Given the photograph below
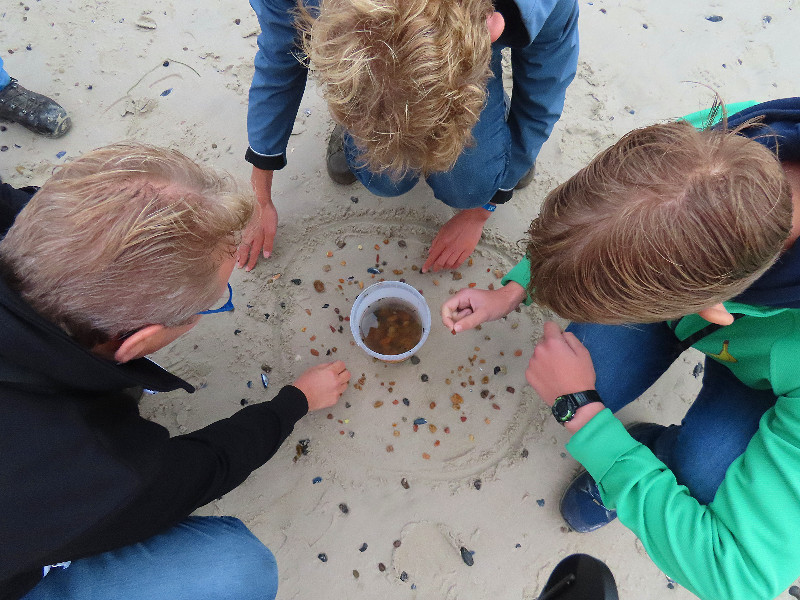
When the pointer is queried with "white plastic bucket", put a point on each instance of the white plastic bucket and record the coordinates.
(389, 290)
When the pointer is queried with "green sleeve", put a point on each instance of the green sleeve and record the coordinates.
(521, 274)
(699, 119)
(743, 545)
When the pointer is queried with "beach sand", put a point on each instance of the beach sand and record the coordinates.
(389, 507)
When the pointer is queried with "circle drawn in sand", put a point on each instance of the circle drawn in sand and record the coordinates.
(458, 410)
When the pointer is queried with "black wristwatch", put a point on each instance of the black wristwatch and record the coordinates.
(565, 406)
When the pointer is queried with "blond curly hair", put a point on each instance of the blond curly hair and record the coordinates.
(405, 78)
(666, 222)
(125, 236)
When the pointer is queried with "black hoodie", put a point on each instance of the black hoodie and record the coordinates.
(81, 472)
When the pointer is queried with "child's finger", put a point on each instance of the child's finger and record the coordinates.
(573, 342)
(551, 330)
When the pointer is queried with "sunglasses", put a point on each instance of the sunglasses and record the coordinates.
(228, 306)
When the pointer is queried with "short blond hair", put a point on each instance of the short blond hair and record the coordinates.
(125, 236)
(666, 222)
(406, 78)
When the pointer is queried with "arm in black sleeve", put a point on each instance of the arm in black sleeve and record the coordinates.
(194, 469)
(12, 201)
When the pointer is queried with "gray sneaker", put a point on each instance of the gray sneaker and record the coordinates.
(33, 111)
(527, 178)
(338, 169)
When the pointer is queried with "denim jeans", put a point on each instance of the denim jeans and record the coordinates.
(628, 359)
(477, 174)
(5, 78)
(201, 558)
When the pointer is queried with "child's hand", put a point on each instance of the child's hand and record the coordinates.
(323, 384)
(470, 307)
(560, 365)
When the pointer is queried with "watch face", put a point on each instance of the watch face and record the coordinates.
(562, 410)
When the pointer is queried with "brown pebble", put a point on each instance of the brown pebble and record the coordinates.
(457, 275)
(396, 543)
(390, 448)
(510, 390)
(326, 268)
(378, 403)
(319, 286)
(329, 254)
(314, 352)
(432, 427)
(485, 379)
(330, 416)
(484, 393)
(355, 574)
(517, 352)
(381, 567)
(432, 405)
(386, 242)
(495, 406)
(404, 483)
(426, 456)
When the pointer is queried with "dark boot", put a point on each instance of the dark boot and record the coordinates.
(338, 169)
(34, 111)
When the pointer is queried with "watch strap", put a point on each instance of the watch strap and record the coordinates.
(565, 406)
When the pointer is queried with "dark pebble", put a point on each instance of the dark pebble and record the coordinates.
(540, 502)
(322, 556)
(249, 384)
(266, 316)
(404, 483)
(406, 401)
(510, 390)
(89, 87)
(264, 380)
(603, 10)
(477, 483)
(374, 271)
(61, 154)
(316, 479)
(424, 377)
(3, 128)
(3, 148)
(283, 304)
(297, 281)
(340, 244)
(403, 576)
(415, 360)
(484, 393)
(420, 421)
(166, 92)
(698, 370)
(354, 199)
(524, 453)
(767, 19)
(341, 329)
(165, 63)
(714, 18)
(243, 402)
(336, 310)
(466, 556)
(326, 305)
(28, 47)
(356, 574)
(266, 368)
(381, 567)
(343, 508)
(496, 370)
(347, 405)
(363, 547)
(644, 25)
(402, 243)
(237, 21)
(794, 591)
(302, 446)
(396, 543)
(517, 545)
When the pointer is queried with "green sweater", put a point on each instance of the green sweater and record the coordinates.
(742, 546)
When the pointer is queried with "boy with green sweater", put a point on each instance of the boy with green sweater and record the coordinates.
(675, 238)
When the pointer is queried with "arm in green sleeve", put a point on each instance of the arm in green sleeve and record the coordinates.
(521, 274)
(742, 546)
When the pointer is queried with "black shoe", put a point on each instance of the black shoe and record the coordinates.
(338, 169)
(34, 111)
(527, 178)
